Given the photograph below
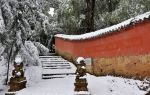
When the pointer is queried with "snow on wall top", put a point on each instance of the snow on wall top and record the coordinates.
(107, 30)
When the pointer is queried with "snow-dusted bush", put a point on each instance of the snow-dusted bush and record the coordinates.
(2, 65)
(30, 54)
(2, 70)
(2, 47)
(1, 23)
(41, 48)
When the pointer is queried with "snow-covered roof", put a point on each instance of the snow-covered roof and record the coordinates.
(107, 30)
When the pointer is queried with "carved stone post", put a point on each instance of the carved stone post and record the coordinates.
(80, 81)
(17, 81)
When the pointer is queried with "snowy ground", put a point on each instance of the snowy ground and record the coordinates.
(107, 85)
(3, 69)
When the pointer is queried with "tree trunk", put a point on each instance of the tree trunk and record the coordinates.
(109, 4)
(90, 15)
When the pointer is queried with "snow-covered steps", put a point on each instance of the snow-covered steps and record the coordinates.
(56, 67)
(51, 54)
(50, 57)
(57, 71)
(54, 61)
(52, 76)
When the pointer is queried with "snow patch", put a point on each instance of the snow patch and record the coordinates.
(51, 11)
(33, 75)
(41, 48)
(18, 73)
(3, 69)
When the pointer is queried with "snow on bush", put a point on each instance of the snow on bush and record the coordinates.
(105, 30)
(3, 70)
(2, 47)
(30, 54)
(41, 48)
(2, 27)
(3, 74)
(2, 65)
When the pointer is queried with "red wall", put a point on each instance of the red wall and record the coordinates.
(133, 40)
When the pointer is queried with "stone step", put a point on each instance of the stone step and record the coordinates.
(57, 71)
(55, 62)
(59, 74)
(55, 76)
(52, 64)
(51, 77)
(57, 68)
(54, 59)
(50, 56)
(56, 65)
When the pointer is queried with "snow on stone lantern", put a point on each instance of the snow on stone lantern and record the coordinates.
(80, 81)
(17, 81)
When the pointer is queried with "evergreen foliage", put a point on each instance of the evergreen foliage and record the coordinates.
(72, 13)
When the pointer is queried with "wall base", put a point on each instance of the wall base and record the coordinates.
(137, 67)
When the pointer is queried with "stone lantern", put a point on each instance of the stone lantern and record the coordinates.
(80, 81)
(17, 81)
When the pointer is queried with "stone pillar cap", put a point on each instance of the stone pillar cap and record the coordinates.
(18, 59)
(79, 59)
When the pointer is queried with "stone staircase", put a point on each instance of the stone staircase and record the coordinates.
(56, 67)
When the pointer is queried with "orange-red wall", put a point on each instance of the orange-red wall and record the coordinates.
(134, 40)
